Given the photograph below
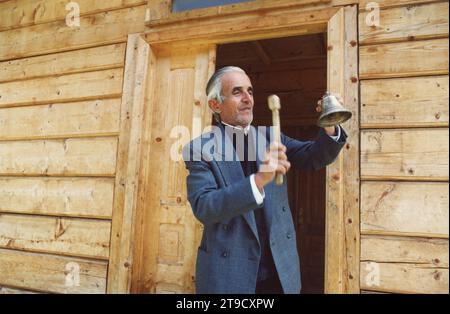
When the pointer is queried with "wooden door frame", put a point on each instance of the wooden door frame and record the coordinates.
(134, 113)
(290, 18)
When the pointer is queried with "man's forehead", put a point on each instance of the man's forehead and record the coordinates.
(236, 79)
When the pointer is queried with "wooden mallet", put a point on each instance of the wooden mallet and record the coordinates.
(274, 105)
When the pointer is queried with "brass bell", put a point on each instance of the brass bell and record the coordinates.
(332, 112)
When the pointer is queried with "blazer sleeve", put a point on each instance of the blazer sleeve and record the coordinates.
(211, 203)
(313, 155)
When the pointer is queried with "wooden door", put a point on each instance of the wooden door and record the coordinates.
(167, 234)
(306, 190)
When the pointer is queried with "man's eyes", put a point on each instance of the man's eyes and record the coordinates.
(237, 92)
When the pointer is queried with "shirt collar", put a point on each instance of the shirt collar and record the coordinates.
(238, 127)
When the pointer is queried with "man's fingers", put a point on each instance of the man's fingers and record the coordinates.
(319, 106)
(275, 159)
(287, 165)
(275, 165)
(275, 146)
(283, 167)
(278, 155)
(273, 162)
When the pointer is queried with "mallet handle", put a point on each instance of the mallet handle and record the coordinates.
(274, 105)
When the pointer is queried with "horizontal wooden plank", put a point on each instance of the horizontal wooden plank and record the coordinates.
(49, 273)
(405, 23)
(414, 58)
(65, 236)
(65, 88)
(20, 13)
(383, 4)
(403, 278)
(71, 157)
(83, 60)
(405, 102)
(372, 292)
(78, 119)
(419, 154)
(247, 26)
(95, 30)
(431, 252)
(76, 197)
(409, 207)
(8, 290)
(159, 11)
(254, 65)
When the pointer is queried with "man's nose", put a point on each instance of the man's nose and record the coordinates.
(246, 97)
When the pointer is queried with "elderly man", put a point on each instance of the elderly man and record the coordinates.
(249, 243)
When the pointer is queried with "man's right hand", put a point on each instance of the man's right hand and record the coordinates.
(275, 161)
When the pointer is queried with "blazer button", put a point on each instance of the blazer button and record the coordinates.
(284, 208)
(224, 254)
(288, 235)
(225, 227)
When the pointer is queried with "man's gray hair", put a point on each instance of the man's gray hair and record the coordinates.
(214, 86)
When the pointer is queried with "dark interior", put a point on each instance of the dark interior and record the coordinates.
(294, 68)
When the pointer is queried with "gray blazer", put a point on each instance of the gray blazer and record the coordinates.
(222, 200)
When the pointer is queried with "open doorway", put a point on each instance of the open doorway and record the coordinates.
(294, 68)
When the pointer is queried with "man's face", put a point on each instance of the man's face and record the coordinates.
(237, 107)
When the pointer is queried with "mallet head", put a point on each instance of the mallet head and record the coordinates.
(274, 102)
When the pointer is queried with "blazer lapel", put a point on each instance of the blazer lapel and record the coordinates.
(232, 172)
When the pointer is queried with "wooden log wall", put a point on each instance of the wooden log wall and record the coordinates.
(404, 147)
(60, 125)
(60, 113)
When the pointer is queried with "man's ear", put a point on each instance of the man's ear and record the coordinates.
(214, 105)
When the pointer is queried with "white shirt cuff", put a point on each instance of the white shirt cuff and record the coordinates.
(259, 198)
(338, 135)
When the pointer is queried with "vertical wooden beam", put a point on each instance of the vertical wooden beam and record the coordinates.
(334, 244)
(342, 212)
(140, 247)
(351, 170)
(128, 165)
